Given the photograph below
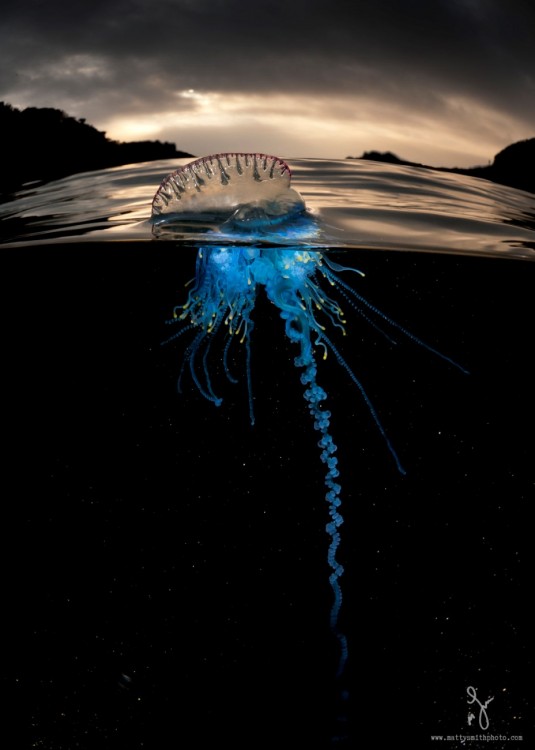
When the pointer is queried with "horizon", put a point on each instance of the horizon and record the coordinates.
(449, 85)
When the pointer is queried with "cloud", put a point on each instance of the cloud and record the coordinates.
(398, 72)
(326, 126)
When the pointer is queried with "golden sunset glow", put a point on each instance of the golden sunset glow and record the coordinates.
(329, 127)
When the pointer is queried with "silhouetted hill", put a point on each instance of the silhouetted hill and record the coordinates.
(514, 166)
(45, 143)
(389, 158)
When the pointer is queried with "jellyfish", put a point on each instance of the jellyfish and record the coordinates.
(271, 243)
(241, 191)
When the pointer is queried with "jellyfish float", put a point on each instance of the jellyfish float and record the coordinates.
(264, 224)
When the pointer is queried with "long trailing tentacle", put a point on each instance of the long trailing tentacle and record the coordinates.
(248, 369)
(229, 375)
(298, 332)
(337, 280)
(341, 361)
(208, 393)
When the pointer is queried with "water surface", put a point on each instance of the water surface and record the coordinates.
(357, 205)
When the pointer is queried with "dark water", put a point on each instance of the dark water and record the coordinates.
(165, 574)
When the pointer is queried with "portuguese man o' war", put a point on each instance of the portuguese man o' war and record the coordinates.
(241, 191)
(247, 199)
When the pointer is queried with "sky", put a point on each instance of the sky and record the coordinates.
(441, 82)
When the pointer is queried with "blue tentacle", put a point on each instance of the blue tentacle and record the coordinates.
(337, 280)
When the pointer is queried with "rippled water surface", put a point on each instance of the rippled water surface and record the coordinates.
(356, 204)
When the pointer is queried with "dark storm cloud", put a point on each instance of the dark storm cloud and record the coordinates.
(132, 56)
(480, 46)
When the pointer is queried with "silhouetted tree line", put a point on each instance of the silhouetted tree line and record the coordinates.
(45, 143)
(514, 166)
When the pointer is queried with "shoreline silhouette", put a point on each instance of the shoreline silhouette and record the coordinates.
(513, 166)
(47, 144)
